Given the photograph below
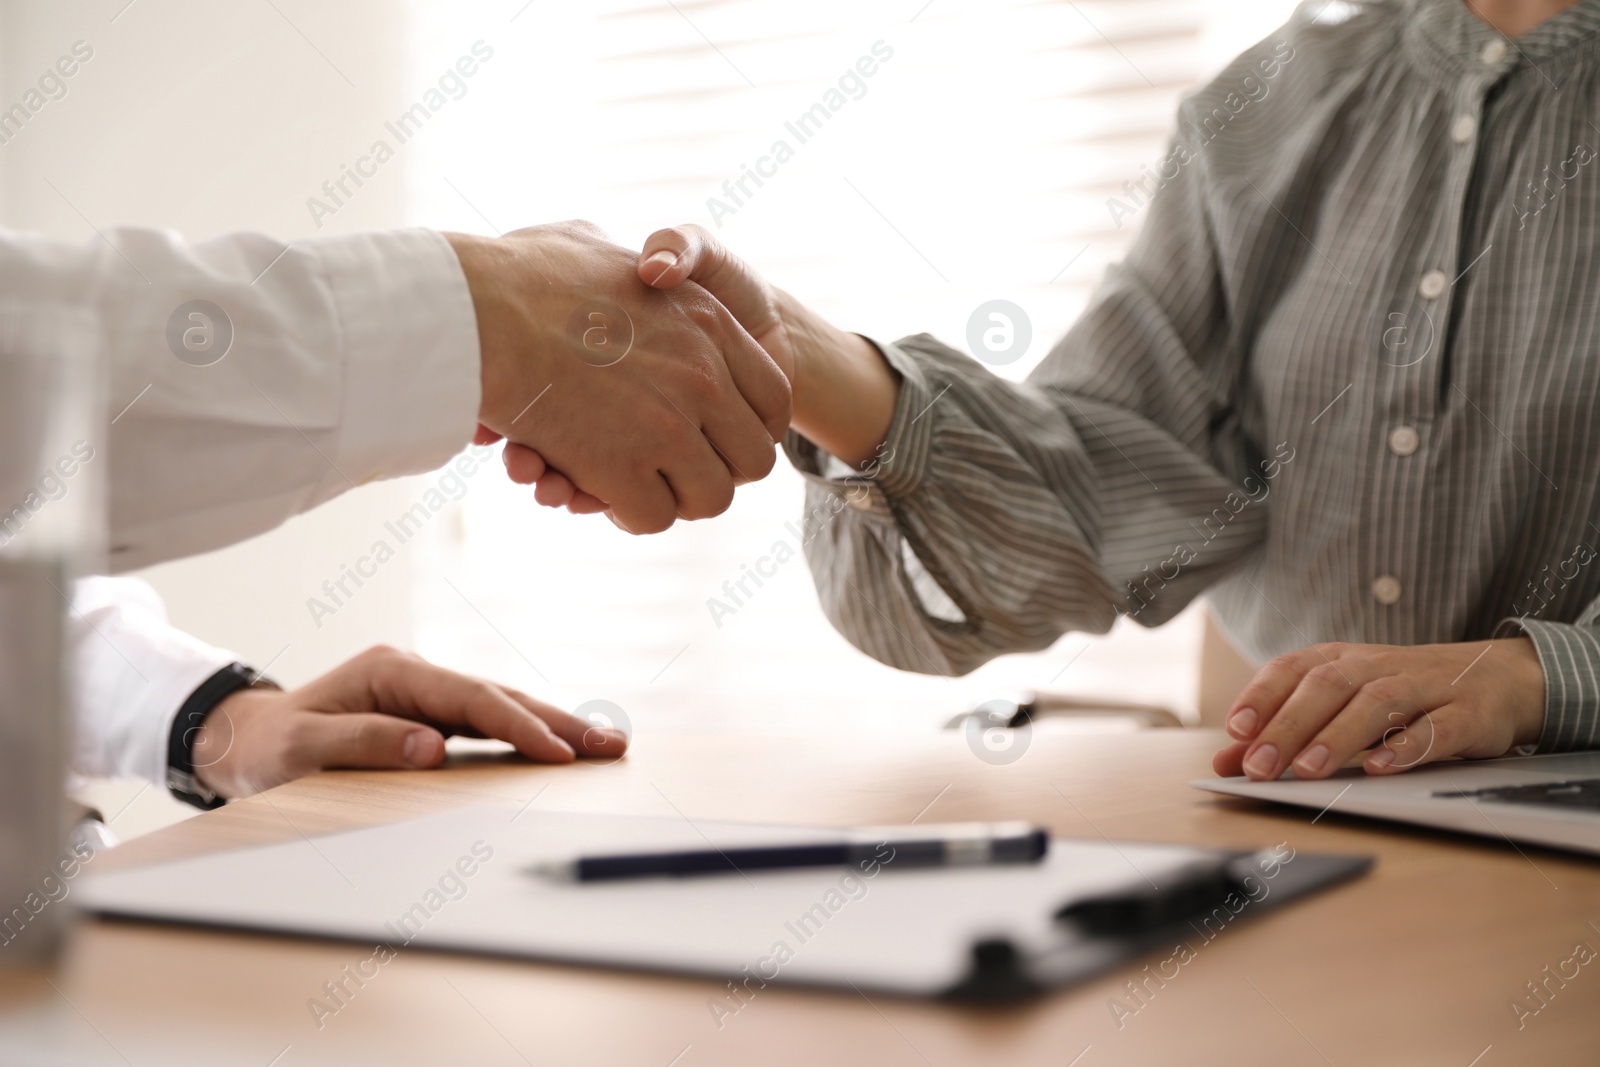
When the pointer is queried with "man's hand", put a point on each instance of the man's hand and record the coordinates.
(383, 709)
(656, 402)
(1313, 710)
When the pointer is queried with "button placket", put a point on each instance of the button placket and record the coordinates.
(1412, 397)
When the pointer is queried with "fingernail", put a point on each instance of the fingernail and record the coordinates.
(609, 736)
(1242, 723)
(664, 259)
(1312, 759)
(420, 748)
(1262, 762)
(1381, 758)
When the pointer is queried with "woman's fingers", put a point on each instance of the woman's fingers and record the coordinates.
(1435, 736)
(689, 253)
(1417, 704)
(523, 465)
(554, 489)
(1271, 686)
(1326, 694)
(1383, 707)
(584, 504)
(1229, 762)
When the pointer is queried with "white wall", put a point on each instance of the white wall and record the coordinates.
(210, 118)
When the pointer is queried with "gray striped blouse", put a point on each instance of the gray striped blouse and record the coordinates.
(1345, 383)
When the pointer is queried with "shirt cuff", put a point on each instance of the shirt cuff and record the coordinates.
(412, 376)
(1570, 656)
(133, 671)
(898, 469)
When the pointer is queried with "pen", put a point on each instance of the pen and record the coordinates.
(949, 845)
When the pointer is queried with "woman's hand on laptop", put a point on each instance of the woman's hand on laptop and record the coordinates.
(383, 709)
(1314, 710)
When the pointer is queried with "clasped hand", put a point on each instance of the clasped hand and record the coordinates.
(657, 401)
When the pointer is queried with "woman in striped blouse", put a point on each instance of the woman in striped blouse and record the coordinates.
(1344, 385)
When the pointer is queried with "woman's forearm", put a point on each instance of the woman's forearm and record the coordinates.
(844, 390)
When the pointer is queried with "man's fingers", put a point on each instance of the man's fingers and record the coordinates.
(648, 506)
(318, 741)
(764, 387)
(585, 737)
(484, 436)
(703, 489)
(741, 442)
(394, 683)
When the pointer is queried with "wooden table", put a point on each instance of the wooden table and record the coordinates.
(1418, 963)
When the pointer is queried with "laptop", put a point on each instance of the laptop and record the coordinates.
(1543, 800)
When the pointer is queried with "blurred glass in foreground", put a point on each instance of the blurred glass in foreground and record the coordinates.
(52, 447)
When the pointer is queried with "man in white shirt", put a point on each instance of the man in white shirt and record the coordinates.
(350, 359)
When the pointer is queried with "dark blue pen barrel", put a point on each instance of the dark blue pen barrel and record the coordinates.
(708, 861)
(1027, 846)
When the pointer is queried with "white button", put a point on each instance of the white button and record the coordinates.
(1434, 283)
(1494, 51)
(1465, 126)
(1386, 590)
(1403, 440)
(860, 498)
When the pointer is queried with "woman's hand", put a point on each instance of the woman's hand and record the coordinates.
(1315, 709)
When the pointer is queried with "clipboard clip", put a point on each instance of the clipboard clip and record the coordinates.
(1101, 928)
(1187, 891)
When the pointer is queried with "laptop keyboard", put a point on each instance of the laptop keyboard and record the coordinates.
(1580, 793)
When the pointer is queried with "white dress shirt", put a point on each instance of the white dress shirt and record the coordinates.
(351, 359)
(131, 672)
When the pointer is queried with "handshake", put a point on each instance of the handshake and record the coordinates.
(649, 386)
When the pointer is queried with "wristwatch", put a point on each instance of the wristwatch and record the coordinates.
(181, 779)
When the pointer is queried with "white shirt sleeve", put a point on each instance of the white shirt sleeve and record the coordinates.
(132, 672)
(312, 368)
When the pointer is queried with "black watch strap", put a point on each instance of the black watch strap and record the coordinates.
(181, 780)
